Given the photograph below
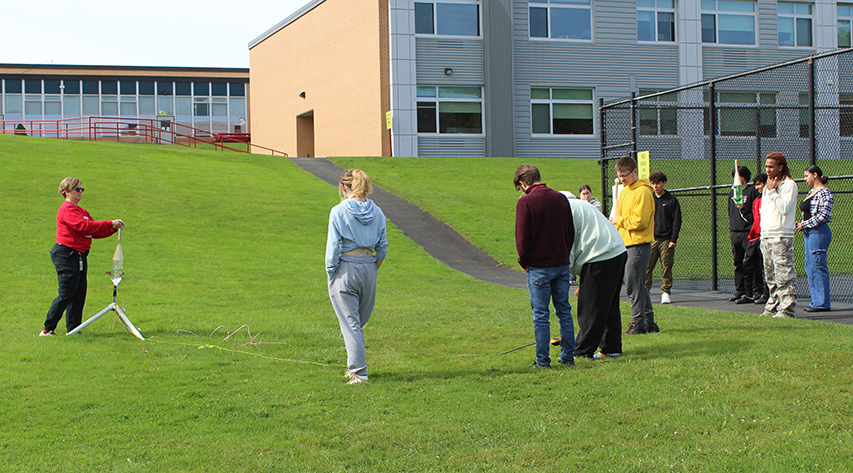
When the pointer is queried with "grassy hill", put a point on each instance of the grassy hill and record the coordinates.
(222, 243)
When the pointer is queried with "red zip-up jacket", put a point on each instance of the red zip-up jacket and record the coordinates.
(75, 227)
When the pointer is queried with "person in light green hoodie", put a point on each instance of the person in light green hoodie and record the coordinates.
(598, 256)
(778, 220)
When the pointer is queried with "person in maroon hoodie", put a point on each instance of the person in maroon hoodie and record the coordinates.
(74, 232)
(544, 235)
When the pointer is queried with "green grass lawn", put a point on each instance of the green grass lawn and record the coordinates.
(223, 239)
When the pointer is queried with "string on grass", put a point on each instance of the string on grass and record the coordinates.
(255, 340)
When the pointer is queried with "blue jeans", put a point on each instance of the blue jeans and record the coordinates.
(545, 285)
(816, 242)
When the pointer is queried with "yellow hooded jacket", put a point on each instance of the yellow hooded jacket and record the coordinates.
(636, 221)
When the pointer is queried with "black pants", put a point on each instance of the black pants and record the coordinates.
(753, 262)
(71, 269)
(740, 243)
(599, 318)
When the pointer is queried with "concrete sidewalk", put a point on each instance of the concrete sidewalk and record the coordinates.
(446, 245)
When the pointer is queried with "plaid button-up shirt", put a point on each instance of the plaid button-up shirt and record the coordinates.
(821, 209)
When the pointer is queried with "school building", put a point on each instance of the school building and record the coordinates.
(504, 77)
(212, 100)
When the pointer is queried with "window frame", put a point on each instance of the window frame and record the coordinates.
(796, 17)
(657, 10)
(437, 100)
(551, 101)
(435, 19)
(659, 121)
(715, 14)
(549, 6)
(722, 113)
(845, 15)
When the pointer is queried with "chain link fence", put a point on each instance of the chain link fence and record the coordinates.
(801, 108)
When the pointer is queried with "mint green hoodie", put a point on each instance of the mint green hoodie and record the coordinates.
(596, 239)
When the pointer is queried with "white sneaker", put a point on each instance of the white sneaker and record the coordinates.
(356, 379)
(664, 298)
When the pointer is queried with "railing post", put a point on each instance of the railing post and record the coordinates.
(634, 125)
(603, 163)
(712, 106)
(758, 139)
(812, 130)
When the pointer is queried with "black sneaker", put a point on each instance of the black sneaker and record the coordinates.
(762, 299)
(735, 297)
(652, 328)
(567, 363)
(635, 329)
(537, 365)
(745, 300)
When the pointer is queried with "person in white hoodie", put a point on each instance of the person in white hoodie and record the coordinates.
(778, 219)
(355, 249)
(598, 256)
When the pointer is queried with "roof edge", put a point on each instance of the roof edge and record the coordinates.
(124, 68)
(283, 23)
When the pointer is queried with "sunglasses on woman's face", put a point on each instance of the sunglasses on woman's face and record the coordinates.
(79, 189)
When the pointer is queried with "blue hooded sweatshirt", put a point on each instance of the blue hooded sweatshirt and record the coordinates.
(354, 224)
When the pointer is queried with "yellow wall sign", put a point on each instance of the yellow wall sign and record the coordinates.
(388, 121)
(643, 164)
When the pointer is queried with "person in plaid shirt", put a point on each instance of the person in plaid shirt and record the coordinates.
(817, 213)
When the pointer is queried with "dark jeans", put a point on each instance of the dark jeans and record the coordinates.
(599, 317)
(71, 269)
(740, 243)
(547, 285)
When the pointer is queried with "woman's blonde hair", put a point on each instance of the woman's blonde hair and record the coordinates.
(357, 182)
(67, 184)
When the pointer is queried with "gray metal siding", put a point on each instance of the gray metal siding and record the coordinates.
(464, 56)
(498, 59)
(451, 146)
(610, 65)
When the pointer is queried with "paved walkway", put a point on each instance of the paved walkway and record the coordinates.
(446, 245)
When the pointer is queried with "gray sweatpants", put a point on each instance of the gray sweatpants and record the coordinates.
(642, 312)
(352, 291)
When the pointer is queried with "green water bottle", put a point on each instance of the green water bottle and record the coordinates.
(737, 188)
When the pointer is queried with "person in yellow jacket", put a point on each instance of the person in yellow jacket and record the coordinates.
(634, 217)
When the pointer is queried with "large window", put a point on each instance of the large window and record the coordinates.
(658, 121)
(561, 19)
(845, 22)
(742, 114)
(795, 24)
(558, 111)
(656, 20)
(447, 19)
(450, 109)
(728, 21)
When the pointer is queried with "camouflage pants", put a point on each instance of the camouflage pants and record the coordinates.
(781, 276)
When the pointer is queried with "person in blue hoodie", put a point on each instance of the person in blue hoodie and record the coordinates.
(355, 249)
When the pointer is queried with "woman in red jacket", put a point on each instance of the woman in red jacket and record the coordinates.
(74, 232)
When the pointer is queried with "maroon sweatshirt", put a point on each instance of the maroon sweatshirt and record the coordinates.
(544, 230)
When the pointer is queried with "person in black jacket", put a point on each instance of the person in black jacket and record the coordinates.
(667, 226)
(740, 222)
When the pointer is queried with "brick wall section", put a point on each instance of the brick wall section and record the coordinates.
(333, 53)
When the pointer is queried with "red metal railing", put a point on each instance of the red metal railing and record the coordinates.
(137, 130)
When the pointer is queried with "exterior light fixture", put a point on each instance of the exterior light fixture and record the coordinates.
(448, 71)
(302, 94)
